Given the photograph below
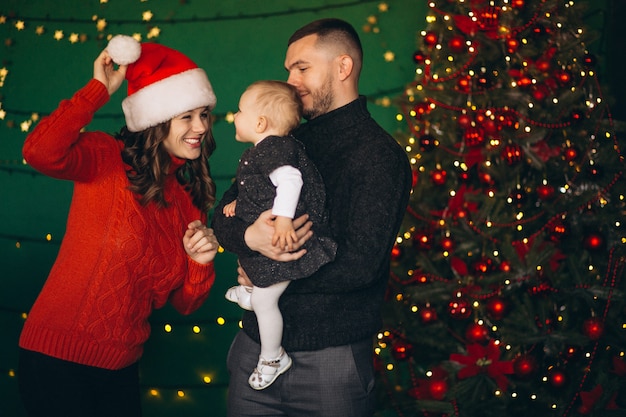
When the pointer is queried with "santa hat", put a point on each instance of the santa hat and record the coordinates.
(162, 82)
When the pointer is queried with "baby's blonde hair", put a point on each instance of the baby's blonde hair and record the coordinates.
(280, 103)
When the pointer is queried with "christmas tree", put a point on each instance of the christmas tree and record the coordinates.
(507, 289)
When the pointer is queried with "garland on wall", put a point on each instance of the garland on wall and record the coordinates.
(98, 31)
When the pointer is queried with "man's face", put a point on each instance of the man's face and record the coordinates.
(310, 70)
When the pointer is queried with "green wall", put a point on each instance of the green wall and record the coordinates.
(237, 42)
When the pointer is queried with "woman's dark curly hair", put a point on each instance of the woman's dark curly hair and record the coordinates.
(149, 163)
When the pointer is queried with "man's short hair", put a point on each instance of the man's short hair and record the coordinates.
(333, 31)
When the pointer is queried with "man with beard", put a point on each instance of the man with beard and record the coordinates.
(330, 318)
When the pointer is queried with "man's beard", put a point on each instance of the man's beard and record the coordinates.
(322, 100)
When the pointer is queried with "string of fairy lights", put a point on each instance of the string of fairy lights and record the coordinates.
(50, 28)
(98, 31)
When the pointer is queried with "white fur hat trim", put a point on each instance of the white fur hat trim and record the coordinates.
(162, 100)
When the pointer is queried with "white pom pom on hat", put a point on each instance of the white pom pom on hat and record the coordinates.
(162, 82)
(124, 49)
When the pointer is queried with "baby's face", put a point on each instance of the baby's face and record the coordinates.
(246, 118)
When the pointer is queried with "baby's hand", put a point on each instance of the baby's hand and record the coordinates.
(284, 233)
(229, 209)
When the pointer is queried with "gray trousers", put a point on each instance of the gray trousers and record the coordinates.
(333, 382)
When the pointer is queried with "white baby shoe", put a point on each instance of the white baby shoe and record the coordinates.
(241, 295)
(266, 371)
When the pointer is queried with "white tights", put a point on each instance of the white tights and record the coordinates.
(265, 304)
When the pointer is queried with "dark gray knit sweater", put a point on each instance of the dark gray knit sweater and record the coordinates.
(368, 180)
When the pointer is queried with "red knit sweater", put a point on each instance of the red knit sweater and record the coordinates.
(118, 260)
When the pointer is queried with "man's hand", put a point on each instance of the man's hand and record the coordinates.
(258, 237)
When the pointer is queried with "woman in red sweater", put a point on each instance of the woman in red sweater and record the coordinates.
(135, 236)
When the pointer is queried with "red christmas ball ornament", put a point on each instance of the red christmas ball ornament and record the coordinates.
(593, 328)
(464, 121)
(594, 170)
(427, 142)
(570, 154)
(594, 241)
(396, 253)
(474, 136)
(505, 266)
(557, 378)
(540, 92)
(486, 178)
(476, 333)
(457, 44)
(480, 118)
(447, 244)
(524, 366)
(420, 109)
(512, 154)
(490, 126)
(542, 65)
(512, 45)
(483, 80)
(430, 39)
(551, 83)
(589, 60)
(540, 30)
(438, 389)
(438, 176)
(487, 123)
(571, 352)
(401, 350)
(545, 192)
(518, 196)
(415, 177)
(516, 71)
(496, 308)
(423, 240)
(576, 116)
(483, 265)
(524, 82)
(464, 84)
(459, 308)
(419, 57)
(428, 315)
(563, 77)
(460, 213)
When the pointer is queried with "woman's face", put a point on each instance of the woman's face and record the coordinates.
(187, 131)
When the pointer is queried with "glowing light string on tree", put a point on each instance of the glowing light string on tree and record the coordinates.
(582, 150)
